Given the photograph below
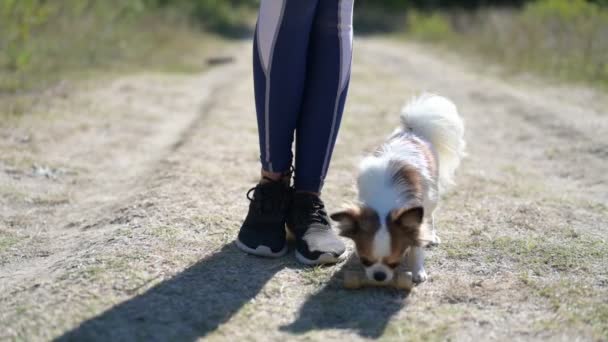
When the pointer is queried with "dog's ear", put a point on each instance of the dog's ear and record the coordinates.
(408, 222)
(409, 218)
(347, 220)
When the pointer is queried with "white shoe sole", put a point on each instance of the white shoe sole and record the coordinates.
(261, 250)
(323, 259)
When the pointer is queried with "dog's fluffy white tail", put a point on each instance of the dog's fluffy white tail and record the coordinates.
(435, 119)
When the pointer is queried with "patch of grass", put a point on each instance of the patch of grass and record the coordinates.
(317, 275)
(7, 240)
(518, 184)
(597, 207)
(16, 193)
(15, 108)
(575, 297)
(476, 231)
(577, 305)
(408, 331)
(168, 234)
(568, 254)
(117, 268)
(412, 329)
(93, 272)
(457, 251)
(50, 199)
(12, 192)
(21, 161)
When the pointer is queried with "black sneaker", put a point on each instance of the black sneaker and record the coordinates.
(316, 242)
(263, 231)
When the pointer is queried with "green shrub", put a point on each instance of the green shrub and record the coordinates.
(17, 20)
(428, 26)
(225, 17)
(561, 9)
(39, 37)
(41, 40)
(572, 33)
(563, 38)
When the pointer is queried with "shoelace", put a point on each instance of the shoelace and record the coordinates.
(315, 213)
(265, 202)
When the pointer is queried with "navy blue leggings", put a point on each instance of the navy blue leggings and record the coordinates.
(301, 67)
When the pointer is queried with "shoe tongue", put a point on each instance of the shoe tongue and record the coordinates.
(306, 198)
(308, 202)
(271, 185)
(265, 191)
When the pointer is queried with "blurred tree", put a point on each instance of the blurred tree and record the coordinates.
(433, 4)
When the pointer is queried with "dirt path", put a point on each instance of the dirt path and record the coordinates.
(119, 203)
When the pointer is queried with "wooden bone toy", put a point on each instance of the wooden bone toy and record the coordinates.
(355, 280)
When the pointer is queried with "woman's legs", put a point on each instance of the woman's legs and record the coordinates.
(302, 53)
(327, 78)
(302, 56)
(279, 68)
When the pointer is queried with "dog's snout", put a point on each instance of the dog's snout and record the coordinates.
(379, 276)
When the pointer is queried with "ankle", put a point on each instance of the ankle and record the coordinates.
(268, 176)
(318, 194)
(271, 175)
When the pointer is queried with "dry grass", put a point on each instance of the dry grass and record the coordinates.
(143, 250)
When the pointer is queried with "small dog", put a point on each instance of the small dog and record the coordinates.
(399, 187)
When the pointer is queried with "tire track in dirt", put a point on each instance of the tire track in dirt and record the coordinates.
(90, 214)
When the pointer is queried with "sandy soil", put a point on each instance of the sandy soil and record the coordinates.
(120, 201)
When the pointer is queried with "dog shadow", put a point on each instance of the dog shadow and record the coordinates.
(366, 311)
(186, 307)
(207, 294)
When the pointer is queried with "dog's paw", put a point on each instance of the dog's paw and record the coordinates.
(435, 240)
(419, 277)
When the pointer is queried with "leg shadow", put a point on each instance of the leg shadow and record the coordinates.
(186, 307)
(366, 311)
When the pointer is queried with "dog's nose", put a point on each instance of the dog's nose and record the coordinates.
(379, 276)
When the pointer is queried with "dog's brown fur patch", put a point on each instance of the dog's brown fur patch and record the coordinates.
(405, 227)
(359, 224)
(410, 177)
(428, 156)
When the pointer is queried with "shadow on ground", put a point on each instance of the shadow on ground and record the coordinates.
(194, 303)
(366, 311)
(186, 307)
